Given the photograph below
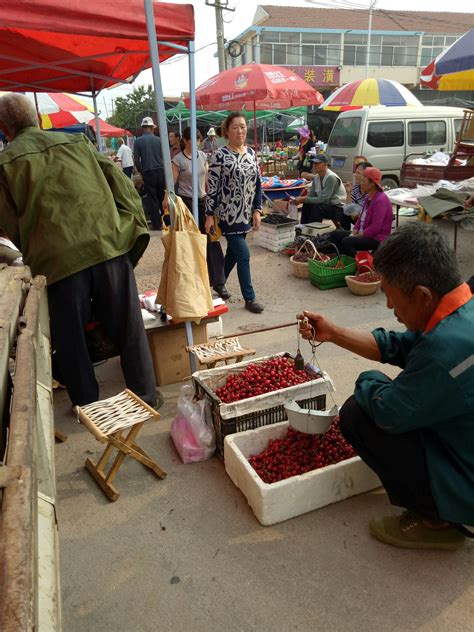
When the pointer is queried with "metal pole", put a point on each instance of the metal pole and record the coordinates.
(369, 36)
(180, 124)
(165, 148)
(159, 100)
(192, 111)
(97, 122)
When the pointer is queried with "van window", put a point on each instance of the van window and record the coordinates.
(457, 127)
(386, 134)
(426, 133)
(345, 132)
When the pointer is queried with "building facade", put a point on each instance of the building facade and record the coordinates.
(330, 47)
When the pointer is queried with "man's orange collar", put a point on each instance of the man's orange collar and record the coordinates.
(448, 304)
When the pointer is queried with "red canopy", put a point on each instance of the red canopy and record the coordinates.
(108, 130)
(76, 46)
(256, 86)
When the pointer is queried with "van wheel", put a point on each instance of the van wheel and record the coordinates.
(389, 183)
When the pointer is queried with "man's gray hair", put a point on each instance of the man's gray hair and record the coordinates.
(418, 254)
(16, 113)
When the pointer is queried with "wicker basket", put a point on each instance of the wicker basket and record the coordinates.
(300, 268)
(359, 288)
(325, 276)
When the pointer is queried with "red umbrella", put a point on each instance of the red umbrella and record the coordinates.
(256, 87)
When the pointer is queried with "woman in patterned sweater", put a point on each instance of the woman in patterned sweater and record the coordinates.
(234, 197)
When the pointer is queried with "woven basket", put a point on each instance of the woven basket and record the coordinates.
(300, 268)
(359, 288)
(325, 276)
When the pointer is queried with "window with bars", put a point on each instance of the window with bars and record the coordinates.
(434, 45)
(385, 50)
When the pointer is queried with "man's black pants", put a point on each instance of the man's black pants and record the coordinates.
(399, 460)
(154, 186)
(106, 292)
(317, 212)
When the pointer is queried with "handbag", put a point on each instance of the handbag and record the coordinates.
(184, 290)
(364, 261)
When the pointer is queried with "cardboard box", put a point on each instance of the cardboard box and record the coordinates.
(276, 502)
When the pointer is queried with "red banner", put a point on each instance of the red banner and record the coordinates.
(318, 76)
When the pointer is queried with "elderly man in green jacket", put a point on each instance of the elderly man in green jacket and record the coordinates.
(417, 430)
(77, 220)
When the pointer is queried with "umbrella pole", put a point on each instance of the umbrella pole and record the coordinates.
(97, 125)
(255, 139)
(40, 118)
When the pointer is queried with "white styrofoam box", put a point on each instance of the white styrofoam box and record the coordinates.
(276, 502)
(215, 329)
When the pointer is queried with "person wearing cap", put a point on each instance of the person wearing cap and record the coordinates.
(306, 145)
(210, 145)
(374, 223)
(326, 197)
(416, 430)
(148, 158)
(80, 223)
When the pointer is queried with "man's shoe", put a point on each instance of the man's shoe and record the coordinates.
(408, 531)
(254, 307)
(221, 291)
(160, 400)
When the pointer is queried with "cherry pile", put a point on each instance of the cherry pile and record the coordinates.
(368, 277)
(261, 378)
(302, 257)
(298, 452)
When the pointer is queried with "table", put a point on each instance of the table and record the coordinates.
(455, 218)
(399, 202)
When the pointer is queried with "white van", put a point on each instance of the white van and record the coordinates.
(386, 135)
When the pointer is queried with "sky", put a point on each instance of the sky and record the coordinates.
(174, 72)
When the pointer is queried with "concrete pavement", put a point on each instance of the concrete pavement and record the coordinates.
(187, 555)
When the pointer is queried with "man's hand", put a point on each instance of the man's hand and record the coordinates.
(315, 327)
(256, 220)
(469, 203)
(209, 225)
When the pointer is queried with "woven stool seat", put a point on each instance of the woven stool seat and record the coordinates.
(108, 420)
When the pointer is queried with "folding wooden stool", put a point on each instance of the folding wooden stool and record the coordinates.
(108, 420)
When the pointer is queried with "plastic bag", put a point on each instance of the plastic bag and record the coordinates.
(292, 210)
(192, 430)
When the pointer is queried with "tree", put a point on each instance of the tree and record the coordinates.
(130, 110)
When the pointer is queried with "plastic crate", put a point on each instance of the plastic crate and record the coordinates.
(255, 412)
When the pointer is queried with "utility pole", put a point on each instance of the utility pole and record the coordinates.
(220, 6)
(369, 37)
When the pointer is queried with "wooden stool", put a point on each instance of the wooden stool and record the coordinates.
(227, 350)
(107, 420)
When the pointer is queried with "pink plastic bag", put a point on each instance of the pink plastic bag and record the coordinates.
(191, 430)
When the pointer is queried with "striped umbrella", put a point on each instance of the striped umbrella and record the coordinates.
(59, 109)
(367, 92)
(453, 69)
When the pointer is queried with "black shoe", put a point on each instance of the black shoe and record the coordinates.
(221, 291)
(160, 400)
(254, 307)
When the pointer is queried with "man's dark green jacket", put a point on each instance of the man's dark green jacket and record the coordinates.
(434, 396)
(65, 206)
